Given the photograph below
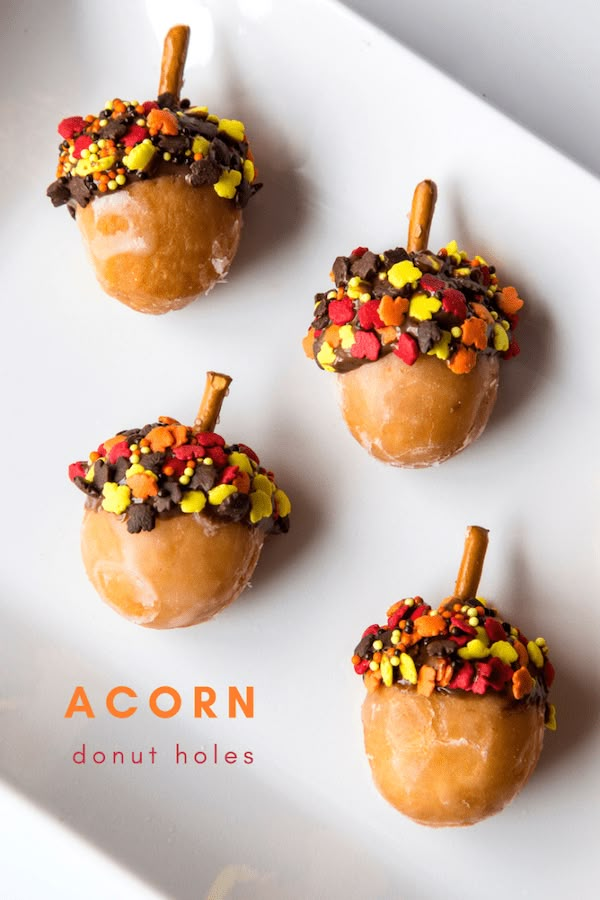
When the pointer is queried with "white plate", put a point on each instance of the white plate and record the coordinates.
(344, 122)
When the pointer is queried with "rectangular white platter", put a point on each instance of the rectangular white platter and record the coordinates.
(344, 122)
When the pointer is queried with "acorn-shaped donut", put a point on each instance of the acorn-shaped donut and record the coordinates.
(416, 338)
(456, 703)
(175, 518)
(157, 189)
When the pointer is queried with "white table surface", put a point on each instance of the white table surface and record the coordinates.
(536, 60)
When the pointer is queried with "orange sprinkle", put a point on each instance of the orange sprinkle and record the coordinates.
(307, 343)
(522, 651)
(387, 334)
(483, 312)
(392, 312)
(377, 656)
(162, 121)
(474, 333)
(179, 433)
(332, 335)
(430, 626)
(242, 482)
(143, 485)
(522, 683)
(103, 187)
(108, 445)
(160, 438)
(509, 301)
(463, 361)
(94, 456)
(168, 470)
(426, 681)
(355, 660)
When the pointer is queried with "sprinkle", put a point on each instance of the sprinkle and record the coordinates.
(402, 273)
(441, 348)
(117, 498)
(422, 306)
(535, 655)
(233, 128)
(227, 184)
(366, 346)
(408, 669)
(504, 651)
(193, 502)
(474, 649)
(407, 349)
(260, 506)
(501, 341)
(392, 311)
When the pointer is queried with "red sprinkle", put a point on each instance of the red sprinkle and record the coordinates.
(463, 678)
(244, 448)
(218, 456)
(135, 135)
(454, 302)
(209, 439)
(76, 470)
(513, 350)
(229, 474)
(407, 349)
(463, 626)
(372, 629)
(188, 451)
(68, 128)
(432, 284)
(368, 315)
(421, 610)
(119, 450)
(361, 667)
(359, 251)
(494, 630)
(341, 311)
(148, 105)
(81, 143)
(365, 346)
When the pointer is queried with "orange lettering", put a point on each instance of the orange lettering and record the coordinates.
(246, 706)
(204, 706)
(80, 703)
(165, 713)
(110, 702)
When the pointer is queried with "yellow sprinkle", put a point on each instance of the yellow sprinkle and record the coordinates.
(220, 493)
(347, 338)
(403, 273)
(135, 469)
(373, 666)
(473, 621)
(395, 660)
(184, 479)
(284, 507)
(117, 497)
(198, 110)
(501, 341)
(387, 672)
(86, 167)
(408, 670)
(249, 171)
(227, 184)
(90, 474)
(326, 355)
(208, 461)
(233, 127)
(364, 297)
(241, 461)
(193, 501)
(535, 654)
(377, 645)
(140, 156)
(504, 651)
(475, 649)
(264, 484)
(456, 331)
(480, 260)
(395, 639)
(167, 156)
(482, 635)
(200, 145)
(112, 185)
(260, 506)
(442, 348)
(551, 723)
(187, 471)
(146, 450)
(121, 179)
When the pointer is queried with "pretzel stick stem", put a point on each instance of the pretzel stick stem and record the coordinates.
(471, 566)
(215, 391)
(173, 60)
(421, 215)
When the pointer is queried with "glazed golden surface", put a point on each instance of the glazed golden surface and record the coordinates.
(157, 244)
(184, 571)
(419, 415)
(451, 758)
